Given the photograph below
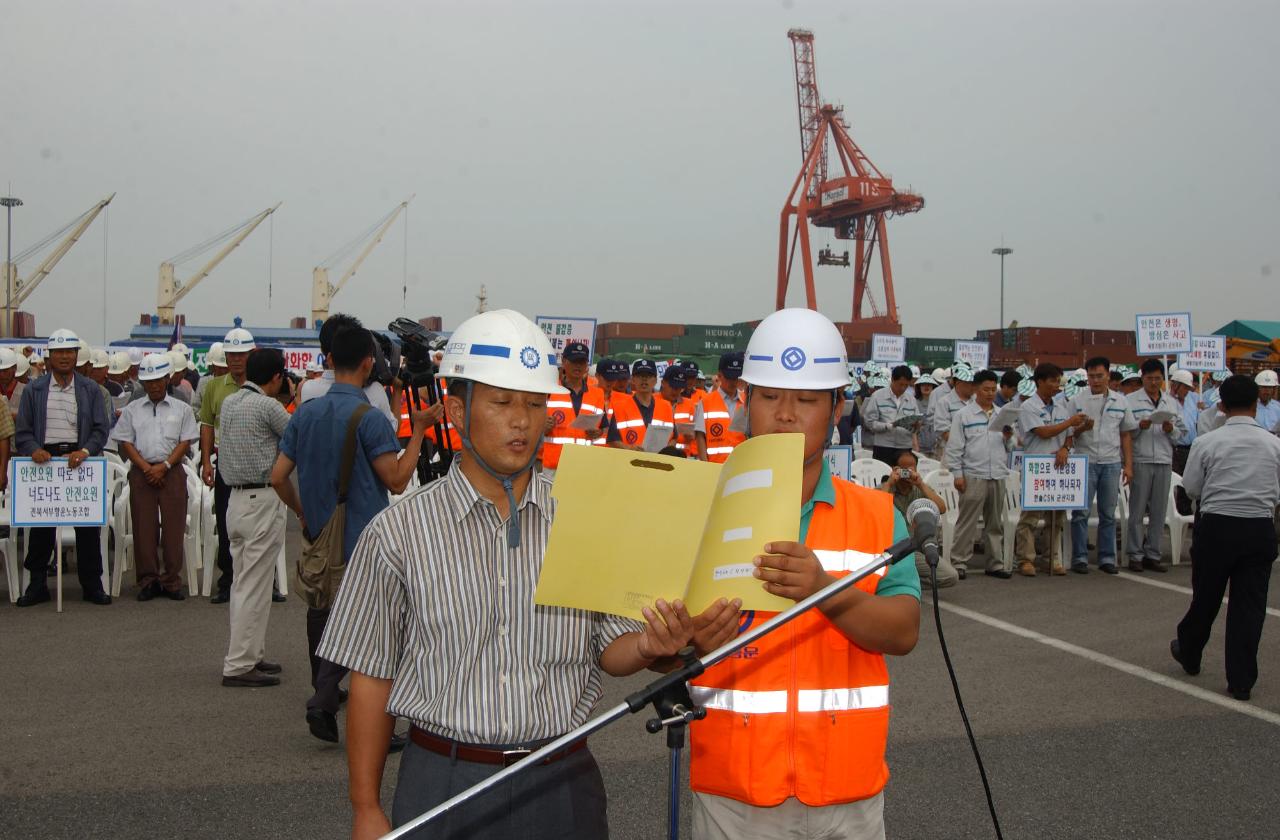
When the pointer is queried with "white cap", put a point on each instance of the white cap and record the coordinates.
(8, 358)
(915, 371)
(1026, 387)
(796, 349)
(119, 363)
(238, 340)
(24, 366)
(947, 373)
(1183, 377)
(182, 348)
(314, 367)
(1267, 379)
(155, 366)
(215, 356)
(503, 349)
(99, 358)
(962, 373)
(939, 374)
(82, 353)
(63, 340)
(927, 379)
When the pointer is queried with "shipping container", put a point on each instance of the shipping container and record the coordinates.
(642, 346)
(724, 332)
(702, 346)
(626, 329)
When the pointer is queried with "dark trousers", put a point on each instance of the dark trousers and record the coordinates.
(40, 545)
(1229, 550)
(887, 454)
(325, 675)
(221, 498)
(564, 800)
(159, 521)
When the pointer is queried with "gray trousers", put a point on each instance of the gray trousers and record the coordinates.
(257, 534)
(983, 496)
(720, 818)
(564, 799)
(1149, 494)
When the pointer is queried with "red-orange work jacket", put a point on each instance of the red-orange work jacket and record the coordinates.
(715, 415)
(560, 409)
(630, 422)
(803, 712)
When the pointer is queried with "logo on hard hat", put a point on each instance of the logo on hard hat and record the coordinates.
(793, 358)
(717, 429)
(530, 358)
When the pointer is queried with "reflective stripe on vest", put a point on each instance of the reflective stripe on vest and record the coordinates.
(562, 433)
(775, 702)
(847, 560)
(742, 702)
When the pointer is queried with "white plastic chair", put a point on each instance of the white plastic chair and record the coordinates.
(926, 465)
(282, 560)
(1012, 513)
(193, 543)
(1179, 524)
(869, 472)
(122, 529)
(13, 571)
(209, 541)
(943, 483)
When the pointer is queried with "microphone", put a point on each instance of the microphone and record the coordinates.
(922, 514)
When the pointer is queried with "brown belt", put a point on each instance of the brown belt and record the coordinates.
(482, 755)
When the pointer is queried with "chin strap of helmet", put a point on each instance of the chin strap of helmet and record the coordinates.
(831, 424)
(508, 481)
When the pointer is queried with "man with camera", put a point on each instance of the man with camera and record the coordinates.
(906, 485)
(374, 392)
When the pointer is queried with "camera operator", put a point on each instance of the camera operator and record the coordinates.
(318, 387)
(907, 485)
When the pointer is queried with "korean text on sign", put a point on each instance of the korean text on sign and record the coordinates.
(1208, 353)
(1164, 333)
(53, 493)
(1046, 486)
(976, 353)
(888, 348)
(560, 331)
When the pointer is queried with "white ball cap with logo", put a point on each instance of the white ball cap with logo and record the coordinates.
(796, 349)
(63, 340)
(8, 358)
(503, 349)
(155, 366)
(238, 340)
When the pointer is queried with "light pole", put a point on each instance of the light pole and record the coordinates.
(1002, 252)
(9, 202)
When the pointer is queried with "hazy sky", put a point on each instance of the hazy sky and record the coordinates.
(628, 160)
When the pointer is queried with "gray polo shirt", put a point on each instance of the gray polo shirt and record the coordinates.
(1111, 417)
(972, 450)
(1152, 445)
(881, 410)
(1035, 414)
(1235, 470)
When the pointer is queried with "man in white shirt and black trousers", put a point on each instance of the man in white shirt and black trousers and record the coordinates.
(1234, 472)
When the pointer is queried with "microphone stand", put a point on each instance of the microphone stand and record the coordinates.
(669, 695)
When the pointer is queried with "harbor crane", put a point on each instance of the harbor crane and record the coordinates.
(173, 290)
(20, 289)
(854, 204)
(322, 292)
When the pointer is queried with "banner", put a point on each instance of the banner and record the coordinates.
(888, 348)
(1208, 353)
(562, 330)
(54, 494)
(976, 353)
(1046, 486)
(1164, 333)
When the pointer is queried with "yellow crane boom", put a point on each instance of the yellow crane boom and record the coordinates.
(322, 293)
(173, 290)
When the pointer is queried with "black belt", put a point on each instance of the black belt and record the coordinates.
(59, 449)
(249, 486)
(483, 755)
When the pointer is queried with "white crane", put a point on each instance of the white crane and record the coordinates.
(19, 289)
(173, 290)
(322, 292)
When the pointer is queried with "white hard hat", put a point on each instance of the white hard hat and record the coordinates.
(947, 373)
(915, 371)
(182, 348)
(238, 340)
(1184, 377)
(82, 353)
(216, 356)
(1267, 379)
(939, 374)
(135, 356)
(63, 340)
(962, 373)
(1026, 387)
(119, 363)
(24, 366)
(155, 366)
(177, 361)
(8, 358)
(503, 349)
(796, 349)
(99, 358)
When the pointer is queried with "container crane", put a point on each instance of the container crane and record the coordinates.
(322, 292)
(173, 290)
(855, 204)
(19, 289)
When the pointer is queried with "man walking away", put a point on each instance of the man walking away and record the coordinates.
(1235, 473)
(252, 424)
(1152, 467)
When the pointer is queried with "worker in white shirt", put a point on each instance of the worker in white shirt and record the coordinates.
(1268, 413)
(1182, 385)
(978, 458)
(942, 411)
(1152, 467)
(884, 414)
(1105, 439)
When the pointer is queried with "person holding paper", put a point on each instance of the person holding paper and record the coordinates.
(674, 380)
(978, 457)
(945, 410)
(793, 741)
(1008, 388)
(1106, 438)
(714, 415)
(1044, 427)
(581, 400)
(1159, 420)
(892, 417)
(437, 622)
(644, 422)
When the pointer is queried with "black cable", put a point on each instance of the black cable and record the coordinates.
(955, 686)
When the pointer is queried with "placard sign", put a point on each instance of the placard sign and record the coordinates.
(297, 358)
(976, 353)
(888, 348)
(840, 461)
(1046, 486)
(1164, 333)
(1015, 461)
(562, 330)
(53, 493)
(1208, 353)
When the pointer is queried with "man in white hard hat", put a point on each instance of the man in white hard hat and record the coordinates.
(63, 415)
(215, 362)
(462, 652)
(942, 412)
(10, 387)
(1182, 385)
(793, 741)
(84, 359)
(154, 436)
(1268, 414)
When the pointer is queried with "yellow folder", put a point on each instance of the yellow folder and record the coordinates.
(632, 527)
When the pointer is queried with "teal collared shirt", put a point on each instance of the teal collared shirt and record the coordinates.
(902, 577)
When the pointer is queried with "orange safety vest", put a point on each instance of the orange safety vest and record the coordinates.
(630, 422)
(560, 409)
(682, 412)
(406, 422)
(803, 712)
(715, 415)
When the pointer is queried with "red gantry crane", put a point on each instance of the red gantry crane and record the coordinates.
(855, 204)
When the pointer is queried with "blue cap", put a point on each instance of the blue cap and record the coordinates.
(613, 370)
(676, 375)
(644, 367)
(731, 365)
(576, 351)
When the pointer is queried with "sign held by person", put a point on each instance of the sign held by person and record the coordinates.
(1208, 353)
(561, 330)
(1164, 333)
(1046, 486)
(976, 353)
(888, 348)
(53, 493)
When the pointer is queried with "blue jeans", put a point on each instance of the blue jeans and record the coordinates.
(1104, 484)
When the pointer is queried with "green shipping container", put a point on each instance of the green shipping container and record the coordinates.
(640, 346)
(714, 332)
(706, 346)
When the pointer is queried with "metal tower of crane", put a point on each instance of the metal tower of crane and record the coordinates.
(19, 289)
(855, 205)
(321, 290)
(173, 290)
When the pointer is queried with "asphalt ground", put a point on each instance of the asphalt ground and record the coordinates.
(113, 723)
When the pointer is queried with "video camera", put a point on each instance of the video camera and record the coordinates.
(386, 359)
(417, 345)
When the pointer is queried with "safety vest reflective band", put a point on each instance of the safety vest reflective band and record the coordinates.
(682, 412)
(803, 711)
(715, 416)
(560, 409)
(630, 422)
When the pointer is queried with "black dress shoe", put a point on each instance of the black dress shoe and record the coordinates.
(1002, 574)
(174, 595)
(1242, 695)
(251, 679)
(342, 696)
(1176, 649)
(220, 597)
(268, 667)
(1109, 568)
(323, 725)
(277, 598)
(399, 742)
(1080, 568)
(962, 573)
(100, 598)
(34, 595)
(1155, 565)
(149, 591)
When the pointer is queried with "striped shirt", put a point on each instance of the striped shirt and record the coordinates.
(252, 424)
(60, 413)
(434, 600)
